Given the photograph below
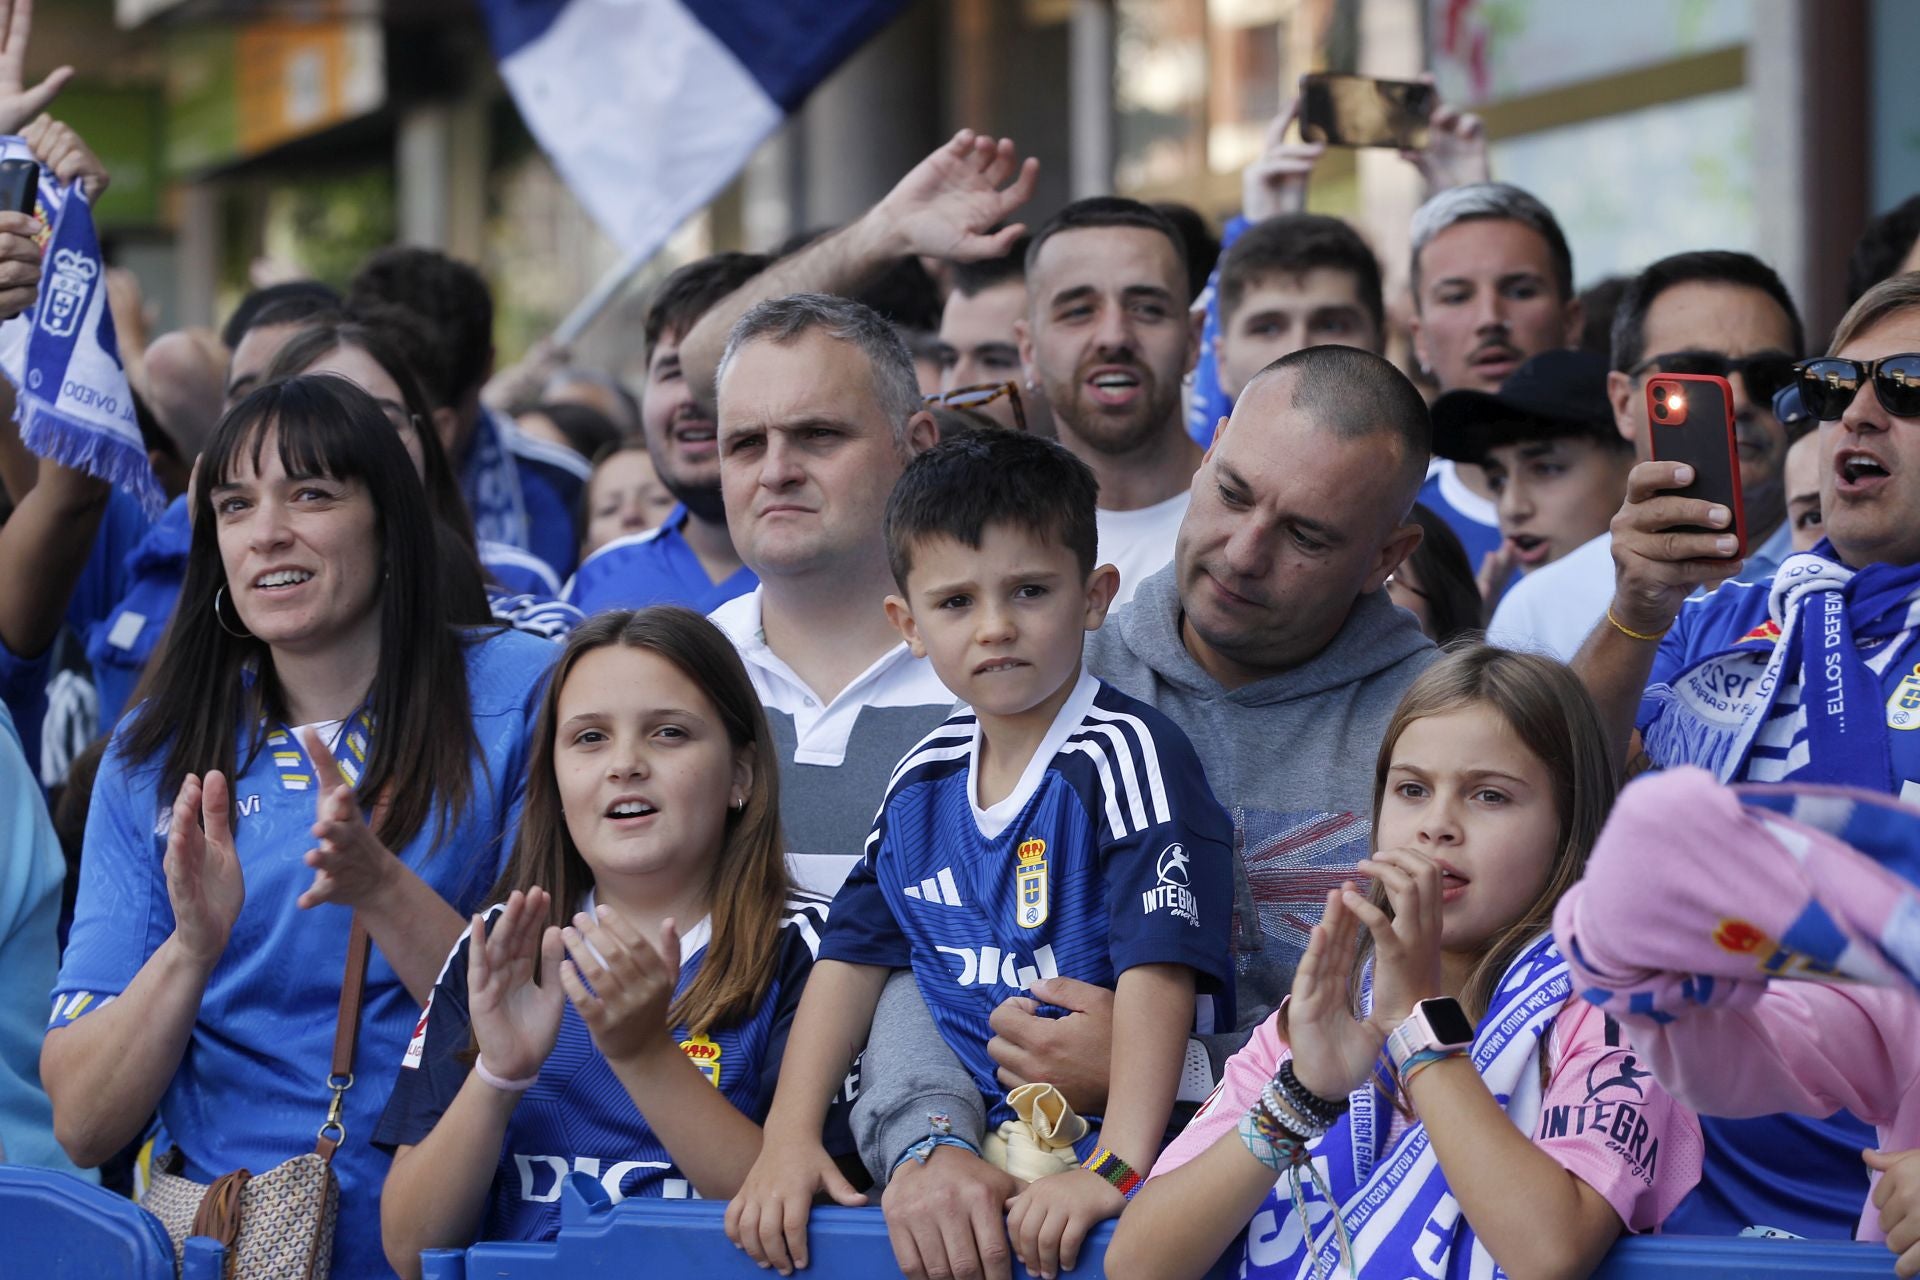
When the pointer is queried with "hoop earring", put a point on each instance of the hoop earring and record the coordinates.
(242, 633)
(737, 803)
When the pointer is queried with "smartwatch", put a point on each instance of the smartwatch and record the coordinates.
(1435, 1026)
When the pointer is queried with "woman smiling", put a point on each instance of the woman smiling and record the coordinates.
(312, 625)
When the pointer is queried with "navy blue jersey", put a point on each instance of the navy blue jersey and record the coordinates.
(1111, 852)
(578, 1117)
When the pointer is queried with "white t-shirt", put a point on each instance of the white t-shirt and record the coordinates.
(1554, 608)
(1140, 543)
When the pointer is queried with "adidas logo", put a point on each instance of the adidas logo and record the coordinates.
(940, 888)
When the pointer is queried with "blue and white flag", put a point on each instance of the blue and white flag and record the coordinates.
(74, 404)
(649, 107)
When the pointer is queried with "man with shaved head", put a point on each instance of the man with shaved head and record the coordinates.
(1271, 641)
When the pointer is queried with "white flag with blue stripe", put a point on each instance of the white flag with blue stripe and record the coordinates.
(649, 107)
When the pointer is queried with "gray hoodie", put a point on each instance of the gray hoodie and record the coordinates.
(1291, 757)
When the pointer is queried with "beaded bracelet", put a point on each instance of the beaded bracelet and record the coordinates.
(1124, 1178)
(1306, 1101)
(1285, 1113)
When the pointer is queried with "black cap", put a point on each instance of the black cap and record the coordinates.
(1555, 394)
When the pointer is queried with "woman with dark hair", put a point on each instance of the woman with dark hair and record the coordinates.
(1436, 585)
(382, 352)
(626, 1001)
(314, 624)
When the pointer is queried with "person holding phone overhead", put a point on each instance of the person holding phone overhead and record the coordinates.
(205, 971)
(1794, 678)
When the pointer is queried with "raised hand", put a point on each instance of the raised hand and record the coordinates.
(947, 204)
(204, 883)
(1333, 1051)
(18, 103)
(631, 983)
(1657, 565)
(1406, 948)
(350, 865)
(1456, 151)
(65, 152)
(19, 263)
(515, 1018)
(1276, 182)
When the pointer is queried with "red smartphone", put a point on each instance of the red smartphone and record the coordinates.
(1690, 417)
(1359, 111)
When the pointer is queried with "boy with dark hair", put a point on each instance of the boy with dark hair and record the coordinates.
(522, 492)
(1292, 281)
(688, 558)
(1054, 826)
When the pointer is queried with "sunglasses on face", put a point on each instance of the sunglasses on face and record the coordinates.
(1828, 384)
(982, 394)
(1764, 372)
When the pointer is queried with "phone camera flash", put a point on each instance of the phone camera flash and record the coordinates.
(1676, 402)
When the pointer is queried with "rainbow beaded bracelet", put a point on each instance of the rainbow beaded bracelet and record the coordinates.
(1116, 1171)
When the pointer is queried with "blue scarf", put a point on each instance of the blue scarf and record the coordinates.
(74, 404)
(1395, 1203)
(492, 485)
(1823, 611)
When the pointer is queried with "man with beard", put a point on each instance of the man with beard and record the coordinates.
(1108, 338)
(689, 559)
(1492, 287)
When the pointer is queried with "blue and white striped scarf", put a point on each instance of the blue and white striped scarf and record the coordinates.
(1401, 1215)
(1805, 706)
(61, 355)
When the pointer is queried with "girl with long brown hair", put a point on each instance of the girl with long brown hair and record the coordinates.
(622, 1009)
(1447, 1109)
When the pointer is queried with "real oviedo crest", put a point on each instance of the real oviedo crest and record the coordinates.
(1031, 886)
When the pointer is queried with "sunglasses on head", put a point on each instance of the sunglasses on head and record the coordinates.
(1828, 384)
(1764, 372)
(982, 394)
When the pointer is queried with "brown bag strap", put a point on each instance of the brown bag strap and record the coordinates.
(346, 1030)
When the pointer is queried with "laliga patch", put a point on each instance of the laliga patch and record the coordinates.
(704, 1054)
(417, 1046)
(1031, 885)
(1172, 894)
(1903, 704)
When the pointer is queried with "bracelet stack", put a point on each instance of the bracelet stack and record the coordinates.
(1124, 1177)
(1285, 1119)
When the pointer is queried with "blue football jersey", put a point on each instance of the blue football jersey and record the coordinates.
(578, 1117)
(1111, 852)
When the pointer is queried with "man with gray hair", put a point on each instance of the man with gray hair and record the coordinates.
(819, 412)
(1492, 287)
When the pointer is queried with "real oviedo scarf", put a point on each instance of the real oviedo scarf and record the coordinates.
(61, 355)
(1714, 711)
(1395, 1202)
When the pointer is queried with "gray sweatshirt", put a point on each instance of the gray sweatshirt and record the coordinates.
(1292, 759)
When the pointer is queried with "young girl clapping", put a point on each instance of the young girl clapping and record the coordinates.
(630, 995)
(1444, 1096)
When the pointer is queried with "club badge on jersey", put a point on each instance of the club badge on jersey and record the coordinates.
(705, 1055)
(1032, 855)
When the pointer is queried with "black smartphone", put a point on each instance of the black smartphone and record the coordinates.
(20, 186)
(1359, 111)
(1690, 418)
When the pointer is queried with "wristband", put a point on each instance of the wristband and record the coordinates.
(1123, 1177)
(1419, 1062)
(1630, 633)
(939, 1134)
(501, 1083)
(1322, 1111)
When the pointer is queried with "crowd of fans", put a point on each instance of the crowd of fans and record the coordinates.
(1019, 724)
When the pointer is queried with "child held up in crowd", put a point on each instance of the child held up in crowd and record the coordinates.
(1052, 827)
(1507, 1126)
(622, 1008)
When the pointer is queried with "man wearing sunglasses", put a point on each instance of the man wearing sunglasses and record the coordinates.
(1809, 677)
(1704, 313)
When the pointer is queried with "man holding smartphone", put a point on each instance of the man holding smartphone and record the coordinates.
(1708, 312)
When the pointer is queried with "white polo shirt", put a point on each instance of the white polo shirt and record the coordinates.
(835, 755)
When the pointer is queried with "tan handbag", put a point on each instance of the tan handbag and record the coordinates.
(276, 1225)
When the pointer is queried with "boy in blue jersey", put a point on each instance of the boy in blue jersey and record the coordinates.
(1053, 827)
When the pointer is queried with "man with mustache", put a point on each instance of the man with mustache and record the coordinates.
(1492, 286)
(1108, 338)
(689, 559)
(1705, 312)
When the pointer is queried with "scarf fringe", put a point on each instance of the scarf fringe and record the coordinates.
(1678, 734)
(71, 442)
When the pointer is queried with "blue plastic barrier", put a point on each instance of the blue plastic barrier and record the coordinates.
(646, 1237)
(53, 1226)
